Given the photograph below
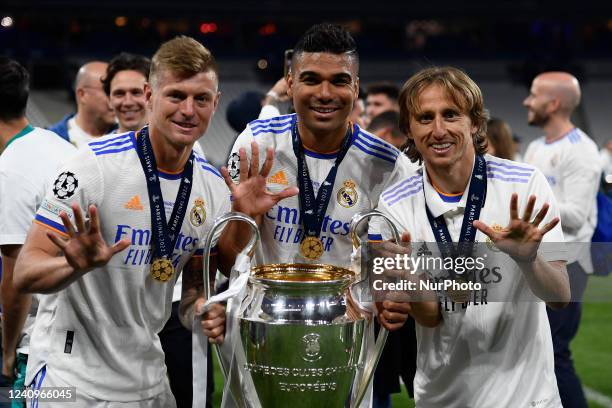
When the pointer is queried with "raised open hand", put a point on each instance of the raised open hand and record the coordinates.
(85, 248)
(250, 195)
(522, 237)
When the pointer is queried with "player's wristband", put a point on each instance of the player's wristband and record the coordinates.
(273, 94)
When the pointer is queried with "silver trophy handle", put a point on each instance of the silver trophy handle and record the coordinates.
(210, 241)
(370, 364)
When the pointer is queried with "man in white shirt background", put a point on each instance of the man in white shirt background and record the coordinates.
(94, 116)
(570, 161)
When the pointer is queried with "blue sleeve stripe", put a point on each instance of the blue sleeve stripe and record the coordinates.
(508, 172)
(50, 223)
(507, 179)
(200, 158)
(357, 144)
(375, 237)
(403, 188)
(405, 195)
(510, 166)
(102, 143)
(270, 125)
(392, 150)
(400, 186)
(376, 147)
(212, 170)
(119, 143)
(275, 131)
(274, 119)
(99, 153)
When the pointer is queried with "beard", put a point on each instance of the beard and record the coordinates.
(538, 119)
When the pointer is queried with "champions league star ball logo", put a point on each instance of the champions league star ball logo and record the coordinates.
(65, 185)
(233, 166)
(347, 195)
(197, 215)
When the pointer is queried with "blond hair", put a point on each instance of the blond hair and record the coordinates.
(184, 57)
(462, 90)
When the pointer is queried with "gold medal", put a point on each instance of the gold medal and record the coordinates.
(311, 248)
(162, 269)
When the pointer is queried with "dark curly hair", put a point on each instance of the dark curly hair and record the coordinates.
(464, 93)
(125, 62)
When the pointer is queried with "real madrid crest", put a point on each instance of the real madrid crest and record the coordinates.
(347, 195)
(197, 215)
(491, 244)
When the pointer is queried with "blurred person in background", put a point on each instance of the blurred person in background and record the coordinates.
(386, 126)
(606, 161)
(244, 109)
(94, 116)
(274, 101)
(29, 156)
(499, 136)
(124, 85)
(358, 113)
(570, 161)
(380, 97)
(516, 147)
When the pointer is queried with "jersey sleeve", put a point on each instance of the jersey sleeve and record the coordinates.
(20, 200)
(79, 181)
(580, 183)
(553, 244)
(243, 140)
(379, 229)
(403, 169)
(268, 111)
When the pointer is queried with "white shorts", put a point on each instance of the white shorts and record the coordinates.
(45, 379)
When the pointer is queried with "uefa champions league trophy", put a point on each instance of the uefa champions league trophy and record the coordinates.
(295, 336)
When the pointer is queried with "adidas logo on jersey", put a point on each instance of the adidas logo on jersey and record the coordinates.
(278, 178)
(134, 204)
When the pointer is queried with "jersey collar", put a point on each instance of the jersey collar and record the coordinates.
(436, 205)
(21, 133)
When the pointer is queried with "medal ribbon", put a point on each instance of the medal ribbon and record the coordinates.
(312, 210)
(475, 201)
(164, 234)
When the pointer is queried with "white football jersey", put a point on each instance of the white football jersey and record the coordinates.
(26, 167)
(572, 166)
(483, 353)
(369, 165)
(102, 333)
